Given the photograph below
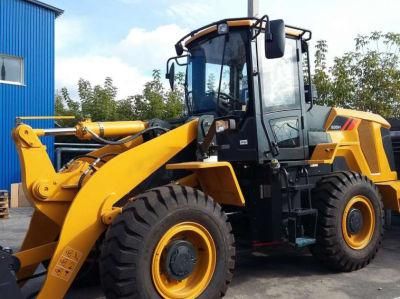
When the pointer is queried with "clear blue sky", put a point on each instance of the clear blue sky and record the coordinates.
(126, 39)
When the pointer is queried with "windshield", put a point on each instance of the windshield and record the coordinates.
(217, 74)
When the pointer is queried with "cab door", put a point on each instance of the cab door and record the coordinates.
(282, 98)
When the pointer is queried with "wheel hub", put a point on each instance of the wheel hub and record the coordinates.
(358, 222)
(354, 221)
(180, 259)
(184, 261)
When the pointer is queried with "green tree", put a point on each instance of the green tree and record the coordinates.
(175, 98)
(211, 83)
(64, 105)
(156, 102)
(366, 78)
(100, 102)
(321, 76)
(125, 109)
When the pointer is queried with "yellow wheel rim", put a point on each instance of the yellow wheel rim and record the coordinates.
(360, 239)
(193, 285)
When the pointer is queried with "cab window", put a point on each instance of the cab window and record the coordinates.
(280, 88)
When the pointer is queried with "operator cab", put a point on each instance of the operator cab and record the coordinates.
(218, 74)
(247, 75)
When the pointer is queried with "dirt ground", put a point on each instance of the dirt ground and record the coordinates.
(282, 273)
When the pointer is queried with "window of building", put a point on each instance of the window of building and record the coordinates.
(11, 69)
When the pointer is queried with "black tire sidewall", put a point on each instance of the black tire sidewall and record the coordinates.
(364, 189)
(215, 226)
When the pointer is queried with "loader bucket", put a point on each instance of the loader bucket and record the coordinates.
(9, 288)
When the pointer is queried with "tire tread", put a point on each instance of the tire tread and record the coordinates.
(326, 198)
(123, 243)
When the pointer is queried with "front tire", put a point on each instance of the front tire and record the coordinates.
(170, 242)
(350, 221)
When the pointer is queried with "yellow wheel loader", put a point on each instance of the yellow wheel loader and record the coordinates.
(254, 163)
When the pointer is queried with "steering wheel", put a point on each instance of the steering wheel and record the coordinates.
(227, 102)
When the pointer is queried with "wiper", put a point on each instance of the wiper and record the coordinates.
(188, 103)
(222, 68)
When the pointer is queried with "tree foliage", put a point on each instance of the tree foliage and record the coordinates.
(366, 78)
(100, 103)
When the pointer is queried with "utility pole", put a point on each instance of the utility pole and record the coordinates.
(253, 8)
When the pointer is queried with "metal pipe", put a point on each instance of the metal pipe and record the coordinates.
(394, 134)
(102, 129)
(78, 144)
(253, 8)
(55, 132)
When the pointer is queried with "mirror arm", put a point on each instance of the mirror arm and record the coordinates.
(177, 62)
(259, 23)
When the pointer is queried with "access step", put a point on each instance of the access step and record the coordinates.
(304, 212)
(302, 225)
(298, 187)
(304, 242)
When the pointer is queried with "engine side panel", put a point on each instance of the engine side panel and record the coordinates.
(356, 136)
(362, 141)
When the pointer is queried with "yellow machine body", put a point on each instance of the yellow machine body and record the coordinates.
(70, 214)
(361, 146)
(74, 206)
(68, 218)
(216, 179)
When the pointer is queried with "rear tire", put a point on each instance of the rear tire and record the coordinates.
(350, 221)
(139, 241)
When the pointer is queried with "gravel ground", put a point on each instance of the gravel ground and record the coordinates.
(280, 273)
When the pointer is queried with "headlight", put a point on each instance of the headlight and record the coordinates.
(223, 28)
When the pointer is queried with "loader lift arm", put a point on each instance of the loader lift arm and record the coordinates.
(77, 210)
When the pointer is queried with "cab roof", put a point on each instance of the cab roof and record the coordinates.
(242, 22)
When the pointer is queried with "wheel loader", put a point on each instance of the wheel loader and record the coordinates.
(161, 209)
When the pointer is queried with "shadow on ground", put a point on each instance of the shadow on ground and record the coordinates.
(278, 273)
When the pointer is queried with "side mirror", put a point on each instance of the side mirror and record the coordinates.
(179, 49)
(275, 39)
(171, 75)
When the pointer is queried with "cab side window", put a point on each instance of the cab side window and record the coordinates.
(286, 132)
(281, 80)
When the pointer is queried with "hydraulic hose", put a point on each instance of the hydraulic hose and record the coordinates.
(111, 142)
(92, 167)
(80, 157)
(124, 140)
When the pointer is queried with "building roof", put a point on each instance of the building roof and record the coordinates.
(56, 10)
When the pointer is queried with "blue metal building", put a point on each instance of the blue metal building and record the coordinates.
(26, 74)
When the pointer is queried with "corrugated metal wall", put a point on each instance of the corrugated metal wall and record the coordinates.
(26, 30)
